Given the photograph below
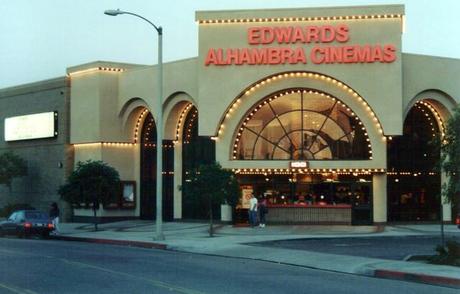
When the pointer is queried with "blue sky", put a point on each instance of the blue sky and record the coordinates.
(40, 39)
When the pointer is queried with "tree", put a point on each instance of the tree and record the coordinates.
(92, 183)
(449, 163)
(210, 184)
(11, 166)
(450, 159)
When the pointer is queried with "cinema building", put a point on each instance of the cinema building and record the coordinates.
(316, 109)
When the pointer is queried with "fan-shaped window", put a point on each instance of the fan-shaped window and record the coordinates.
(301, 124)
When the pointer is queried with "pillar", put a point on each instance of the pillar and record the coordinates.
(379, 186)
(178, 180)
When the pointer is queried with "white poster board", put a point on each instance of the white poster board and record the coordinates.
(247, 191)
(32, 126)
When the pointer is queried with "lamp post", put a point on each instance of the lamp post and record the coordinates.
(159, 124)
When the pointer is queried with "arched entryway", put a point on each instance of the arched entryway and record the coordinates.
(414, 186)
(196, 150)
(306, 126)
(148, 149)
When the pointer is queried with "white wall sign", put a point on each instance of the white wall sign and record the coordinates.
(32, 126)
(298, 164)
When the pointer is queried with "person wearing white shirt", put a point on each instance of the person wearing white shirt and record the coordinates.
(253, 211)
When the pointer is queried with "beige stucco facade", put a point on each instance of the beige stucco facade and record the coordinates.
(108, 100)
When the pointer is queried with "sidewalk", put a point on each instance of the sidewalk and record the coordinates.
(232, 242)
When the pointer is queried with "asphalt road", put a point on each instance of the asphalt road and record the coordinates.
(50, 266)
(394, 248)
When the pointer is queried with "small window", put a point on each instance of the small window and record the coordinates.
(126, 198)
(13, 216)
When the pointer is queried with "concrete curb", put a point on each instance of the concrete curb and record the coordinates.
(140, 244)
(419, 278)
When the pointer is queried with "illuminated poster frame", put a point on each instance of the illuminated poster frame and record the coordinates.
(31, 126)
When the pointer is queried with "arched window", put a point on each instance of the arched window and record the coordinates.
(196, 150)
(413, 184)
(301, 124)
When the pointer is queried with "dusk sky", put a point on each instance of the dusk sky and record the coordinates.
(40, 39)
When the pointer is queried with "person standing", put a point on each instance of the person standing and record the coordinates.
(253, 211)
(54, 215)
(263, 210)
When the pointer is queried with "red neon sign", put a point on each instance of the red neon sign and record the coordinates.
(297, 54)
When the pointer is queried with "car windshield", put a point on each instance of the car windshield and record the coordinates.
(36, 215)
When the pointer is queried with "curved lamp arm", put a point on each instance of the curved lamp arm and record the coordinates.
(113, 12)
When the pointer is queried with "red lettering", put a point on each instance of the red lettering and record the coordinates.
(298, 56)
(297, 36)
(283, 35)
(220, 56)
(258, 56)
(290, 55)
(317, 55)
(349, 54)
(245, 57)
(267, 35)
(232, 56)
(327, 34)
(335, 55)
(363, 53)
(211, 57)
(342, 35)
(254, 36)
(274, 56)
(377, 54)
(286, 54)
(389, 53)
(312, 34)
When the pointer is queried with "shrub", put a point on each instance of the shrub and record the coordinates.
(449, 255)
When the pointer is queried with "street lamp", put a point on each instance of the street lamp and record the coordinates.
(159, 123)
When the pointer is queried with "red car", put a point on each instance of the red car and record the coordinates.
(24, 223)
(457, 220)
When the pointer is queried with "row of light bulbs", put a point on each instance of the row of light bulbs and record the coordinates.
(93, 69)
(297, 19)
(435, 114)
(308, 170)
(163, 145)
(181, 117)
(190, 125)
(178, 125)
(120, 144)
(411, 173)
(138, 124)
(105, 144)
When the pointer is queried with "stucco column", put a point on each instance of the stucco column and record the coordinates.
(446, 208)
(177, 180)
(137, 177)
(379, 188)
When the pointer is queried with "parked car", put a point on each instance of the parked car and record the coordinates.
(457, 220)
(24, 223)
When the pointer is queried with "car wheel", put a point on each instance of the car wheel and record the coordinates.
(1, 232)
